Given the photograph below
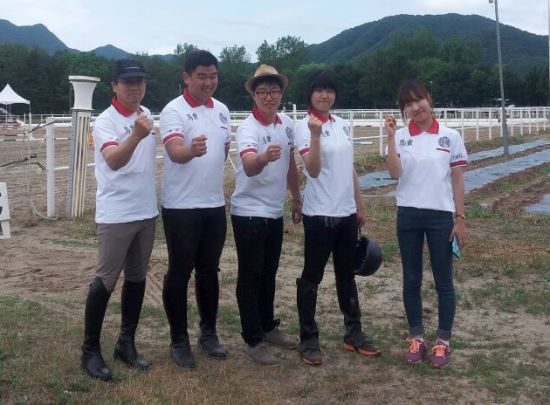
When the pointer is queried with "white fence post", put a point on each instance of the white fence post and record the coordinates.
(529, 122)
(381, 133)
(462, 122)
(490, 123)
(521, 121)
(477, 124)
(50, 166)
(4, 212)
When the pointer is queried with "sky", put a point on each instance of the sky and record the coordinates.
(156, 27)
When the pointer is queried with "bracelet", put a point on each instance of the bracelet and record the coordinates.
(460, 216)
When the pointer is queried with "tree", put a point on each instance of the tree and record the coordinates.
(235, 68)
(184, 49)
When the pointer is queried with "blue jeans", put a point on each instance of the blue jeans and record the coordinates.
(412, 225)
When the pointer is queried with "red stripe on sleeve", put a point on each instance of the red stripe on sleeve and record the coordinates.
(107, 144)
(459, 163)
(247, 150)
(304, 151)
(172, 136)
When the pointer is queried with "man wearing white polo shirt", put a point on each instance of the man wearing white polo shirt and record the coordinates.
(265, 142)
(126, 209)
(196, 132)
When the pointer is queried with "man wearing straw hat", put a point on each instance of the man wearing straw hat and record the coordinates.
(126, 209)
(265, 142)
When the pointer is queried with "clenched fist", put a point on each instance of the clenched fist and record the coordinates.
(314, 124)
(272, 153)
(390, 124)
(198, 146)
(143, 125)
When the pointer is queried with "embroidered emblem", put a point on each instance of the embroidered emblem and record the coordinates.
(444, 142)
(402, 142)
(289, 133)
(223, 118)
(409, 142)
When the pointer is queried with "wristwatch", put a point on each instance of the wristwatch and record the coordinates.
(460, 216)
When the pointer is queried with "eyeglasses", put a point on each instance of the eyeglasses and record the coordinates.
(264, 93)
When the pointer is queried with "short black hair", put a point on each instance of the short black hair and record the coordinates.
(199, 58)
(321, 79)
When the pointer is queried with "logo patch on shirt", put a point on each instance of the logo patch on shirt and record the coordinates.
(192, 117)
(444, 142)
(223, 118)
(458, 156)
(325, 133)
(346, 130)
(289, 133)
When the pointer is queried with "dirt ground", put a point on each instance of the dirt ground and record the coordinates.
(52, 259)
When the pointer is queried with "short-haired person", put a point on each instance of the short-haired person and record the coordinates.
(332, 211)
(196, 132)
(126, 209)
(428, 159)
(265, 142)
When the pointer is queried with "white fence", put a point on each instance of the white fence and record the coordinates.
(367, 129)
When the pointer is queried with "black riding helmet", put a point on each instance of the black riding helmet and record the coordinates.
(368, 256)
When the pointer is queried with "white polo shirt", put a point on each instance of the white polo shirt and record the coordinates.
(331, 193)
(129, 193)
(427, 158)
(199, 182)
(263, 195)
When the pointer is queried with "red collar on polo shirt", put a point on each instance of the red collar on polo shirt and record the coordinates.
(262, 120)
(320, 117)
(415, 130)
(121, 109)
(194, 103)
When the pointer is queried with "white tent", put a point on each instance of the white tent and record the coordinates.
(8, 97)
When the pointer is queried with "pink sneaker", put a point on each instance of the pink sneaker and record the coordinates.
(441, 354)
(416, 351)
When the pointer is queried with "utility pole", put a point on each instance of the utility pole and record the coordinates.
(504, 127)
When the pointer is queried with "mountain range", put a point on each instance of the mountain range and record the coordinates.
(521, 50)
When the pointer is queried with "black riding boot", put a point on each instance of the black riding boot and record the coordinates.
(125, 348)
(349, 305)
(207, 291)
(307, 304)
(96, 305)
(174, 297)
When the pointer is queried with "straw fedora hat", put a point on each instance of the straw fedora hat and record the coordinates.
(265, 71)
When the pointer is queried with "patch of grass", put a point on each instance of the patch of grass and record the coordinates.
(70, 242)
(494, 371)
(390, 250)
(229, 317)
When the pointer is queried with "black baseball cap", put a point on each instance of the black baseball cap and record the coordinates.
(128, 68)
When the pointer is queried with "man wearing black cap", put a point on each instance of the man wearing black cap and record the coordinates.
(126, 209)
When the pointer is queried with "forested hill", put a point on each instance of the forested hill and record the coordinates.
(30, 35)
(520, 49)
